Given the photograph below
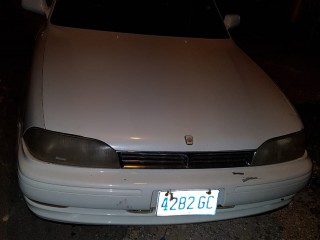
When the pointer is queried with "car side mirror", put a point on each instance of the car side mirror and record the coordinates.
(37, 6)
(231, 21)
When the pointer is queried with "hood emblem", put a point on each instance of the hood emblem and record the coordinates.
(189, 139)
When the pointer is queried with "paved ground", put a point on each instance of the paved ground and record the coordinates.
(297, 74)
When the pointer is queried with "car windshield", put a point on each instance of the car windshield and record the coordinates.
(181, 18)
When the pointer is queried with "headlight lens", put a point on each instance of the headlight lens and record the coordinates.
(280, 149)
(65, 149)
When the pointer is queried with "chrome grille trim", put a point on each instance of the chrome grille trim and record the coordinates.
(182, 160)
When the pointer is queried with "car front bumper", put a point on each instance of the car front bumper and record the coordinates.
(126, 196)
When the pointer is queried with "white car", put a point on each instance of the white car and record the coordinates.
(146, 112)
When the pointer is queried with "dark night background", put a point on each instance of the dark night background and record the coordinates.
(283, 37)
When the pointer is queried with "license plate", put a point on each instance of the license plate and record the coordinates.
(192, 202)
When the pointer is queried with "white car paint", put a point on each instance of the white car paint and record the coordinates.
(146, 93)
(183, 81)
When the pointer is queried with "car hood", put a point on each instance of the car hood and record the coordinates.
(146, 93)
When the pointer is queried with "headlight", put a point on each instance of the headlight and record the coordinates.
(280, 149)
(65, 149)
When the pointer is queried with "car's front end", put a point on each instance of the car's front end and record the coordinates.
(130, 196)
(127, 128)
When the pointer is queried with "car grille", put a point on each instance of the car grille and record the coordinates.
(180, 160)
